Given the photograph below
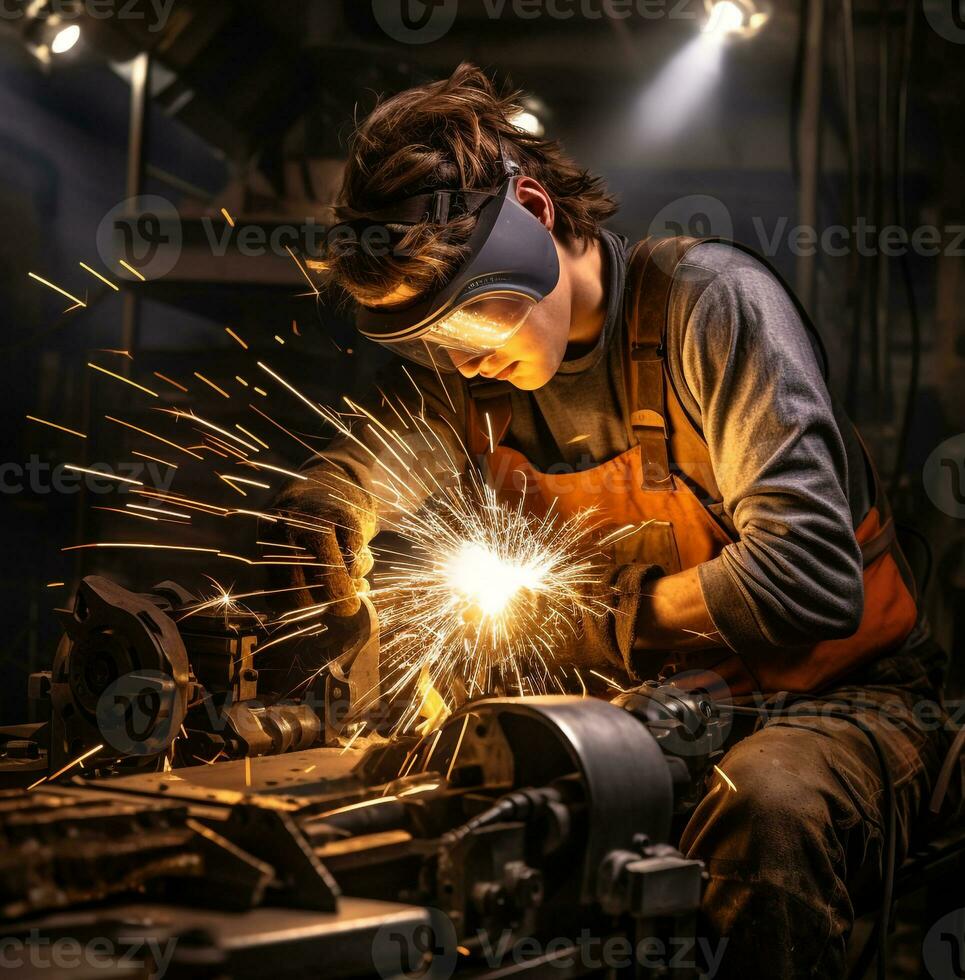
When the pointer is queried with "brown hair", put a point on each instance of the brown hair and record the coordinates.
(445, 135)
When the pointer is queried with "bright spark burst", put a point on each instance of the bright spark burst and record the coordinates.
(487, 598)
(482, 598)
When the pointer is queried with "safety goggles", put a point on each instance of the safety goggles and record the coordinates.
(512, 265)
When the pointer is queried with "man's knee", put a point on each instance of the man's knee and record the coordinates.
(774, 800)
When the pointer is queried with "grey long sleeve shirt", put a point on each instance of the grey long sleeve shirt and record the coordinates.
(786, 460)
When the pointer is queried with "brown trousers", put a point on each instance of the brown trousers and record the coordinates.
(797, 846)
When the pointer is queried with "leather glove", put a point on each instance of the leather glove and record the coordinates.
(606, 636)
(334, 520)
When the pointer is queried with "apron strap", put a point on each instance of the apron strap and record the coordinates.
(650, 276)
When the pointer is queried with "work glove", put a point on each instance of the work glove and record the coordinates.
(605, 635)
(333, 519)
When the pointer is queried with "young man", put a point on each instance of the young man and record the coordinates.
(674, 386)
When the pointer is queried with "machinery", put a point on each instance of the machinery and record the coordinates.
(210, 827)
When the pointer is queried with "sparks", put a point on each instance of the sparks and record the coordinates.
(54, 425)
(211, 384)
(130, 268)
(57, 289)
(119, 377)
(97, 275)
(303, 271)
(235, 337)
(170, 381)
(723, 775)
(155, 459)
(102, 474)
(144, 432)
(155, 547)
(70, 765)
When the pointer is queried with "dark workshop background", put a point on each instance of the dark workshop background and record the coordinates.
(828, 113)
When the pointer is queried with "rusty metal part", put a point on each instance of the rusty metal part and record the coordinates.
(120, 678)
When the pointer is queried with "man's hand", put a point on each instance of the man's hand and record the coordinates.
(333, 520)
(636, 609)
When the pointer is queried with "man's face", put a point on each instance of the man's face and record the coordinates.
(533, 355)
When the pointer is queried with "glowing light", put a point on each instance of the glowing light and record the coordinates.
(674, 99)
(528, 122)
(486, 581)
(65, 39)
(725, 18)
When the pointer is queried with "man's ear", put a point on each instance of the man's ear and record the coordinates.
(535, 198)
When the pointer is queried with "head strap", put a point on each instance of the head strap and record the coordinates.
(433, 207)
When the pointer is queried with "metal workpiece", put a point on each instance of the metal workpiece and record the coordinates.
(624, 775)
(515, 820)
(116, 643)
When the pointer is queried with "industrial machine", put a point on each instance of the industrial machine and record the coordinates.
(194, 814)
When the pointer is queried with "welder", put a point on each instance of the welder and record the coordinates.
(678, 386)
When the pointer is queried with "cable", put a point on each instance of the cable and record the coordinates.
(891, 814)
(901, 144)
(855, 284)
(524, 804)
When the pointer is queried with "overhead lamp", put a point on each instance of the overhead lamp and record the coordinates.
(65, 39)
(528, 122)
(51, 30)
(729, 18)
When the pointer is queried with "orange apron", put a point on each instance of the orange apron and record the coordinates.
(653, 484)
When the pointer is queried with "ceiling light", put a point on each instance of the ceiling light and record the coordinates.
(528, 122)
(65, 39)
(726, 18)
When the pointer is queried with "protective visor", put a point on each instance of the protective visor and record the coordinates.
(512, 265)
